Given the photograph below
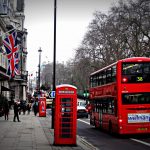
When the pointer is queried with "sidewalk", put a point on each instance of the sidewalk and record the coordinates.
(32, 133)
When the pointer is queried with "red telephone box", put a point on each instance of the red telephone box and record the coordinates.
(42, 107)
(65, 122)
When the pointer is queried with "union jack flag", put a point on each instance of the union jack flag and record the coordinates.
(14, 62)
(10, 44)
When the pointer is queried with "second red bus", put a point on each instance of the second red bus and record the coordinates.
(120, 95)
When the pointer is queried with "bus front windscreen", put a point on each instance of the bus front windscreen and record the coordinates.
(136, 72)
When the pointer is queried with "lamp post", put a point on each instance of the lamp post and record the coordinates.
(39, 69)
(36, 80)
(54, 63)
(30, 82)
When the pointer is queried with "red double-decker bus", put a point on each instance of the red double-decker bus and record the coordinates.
(120, 95)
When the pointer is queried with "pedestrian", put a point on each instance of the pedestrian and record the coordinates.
(28, 108)
(21, 107)
(35, 108)
(6, 109)
(16, 111)
(24, 107)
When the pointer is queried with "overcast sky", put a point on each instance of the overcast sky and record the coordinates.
(73, 18)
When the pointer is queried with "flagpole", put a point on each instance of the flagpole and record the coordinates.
(7, 32)
(3, 34)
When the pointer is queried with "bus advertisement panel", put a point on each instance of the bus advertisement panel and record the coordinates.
(120, 94)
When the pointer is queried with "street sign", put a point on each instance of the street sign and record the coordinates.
(52, 94)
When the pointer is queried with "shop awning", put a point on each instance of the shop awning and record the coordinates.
(3, 88)
(3, 76)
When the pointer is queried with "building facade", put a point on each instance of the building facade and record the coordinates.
(12, 18)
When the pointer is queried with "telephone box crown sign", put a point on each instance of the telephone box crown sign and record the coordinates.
(66, 85)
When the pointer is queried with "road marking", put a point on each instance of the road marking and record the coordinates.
(88, 145)
(84, 121)
(142, 142)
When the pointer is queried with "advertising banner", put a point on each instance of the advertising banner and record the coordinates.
(139, 118)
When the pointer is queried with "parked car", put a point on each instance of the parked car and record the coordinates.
(82, 112)
(81, 102)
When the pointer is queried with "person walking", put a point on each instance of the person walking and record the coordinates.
(24, 107)
(28, 108)
(35, 107)
(16, 111)
(6, 109)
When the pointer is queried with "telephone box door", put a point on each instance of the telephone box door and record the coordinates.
(65, 123)
(42, 107)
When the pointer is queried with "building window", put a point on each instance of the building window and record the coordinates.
(20, 5)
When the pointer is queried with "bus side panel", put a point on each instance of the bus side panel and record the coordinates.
(119, 104)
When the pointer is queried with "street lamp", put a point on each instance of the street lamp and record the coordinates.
(36, 80)
(39, 68)
(30, 82)
(54, 63)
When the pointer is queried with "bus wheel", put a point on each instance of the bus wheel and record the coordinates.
(110, 127)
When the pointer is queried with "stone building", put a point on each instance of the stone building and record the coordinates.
(12, 18)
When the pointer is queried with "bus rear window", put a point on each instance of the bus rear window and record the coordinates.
(135, 72)
(136, 98)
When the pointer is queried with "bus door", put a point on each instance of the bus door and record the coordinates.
(99, 105)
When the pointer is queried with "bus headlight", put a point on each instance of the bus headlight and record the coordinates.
(120, 120)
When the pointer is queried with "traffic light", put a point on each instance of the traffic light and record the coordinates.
(86, 94)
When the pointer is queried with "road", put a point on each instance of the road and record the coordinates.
(104, 141)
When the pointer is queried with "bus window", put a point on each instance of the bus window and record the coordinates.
(113, 73)
(100, 79)
(97, 80)
(146, 68)
(105, 105)
(136, 98)
(104, 77)
(115, 107)
(110, 104)
(91, 82)
(136, 72)
(108, 75)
